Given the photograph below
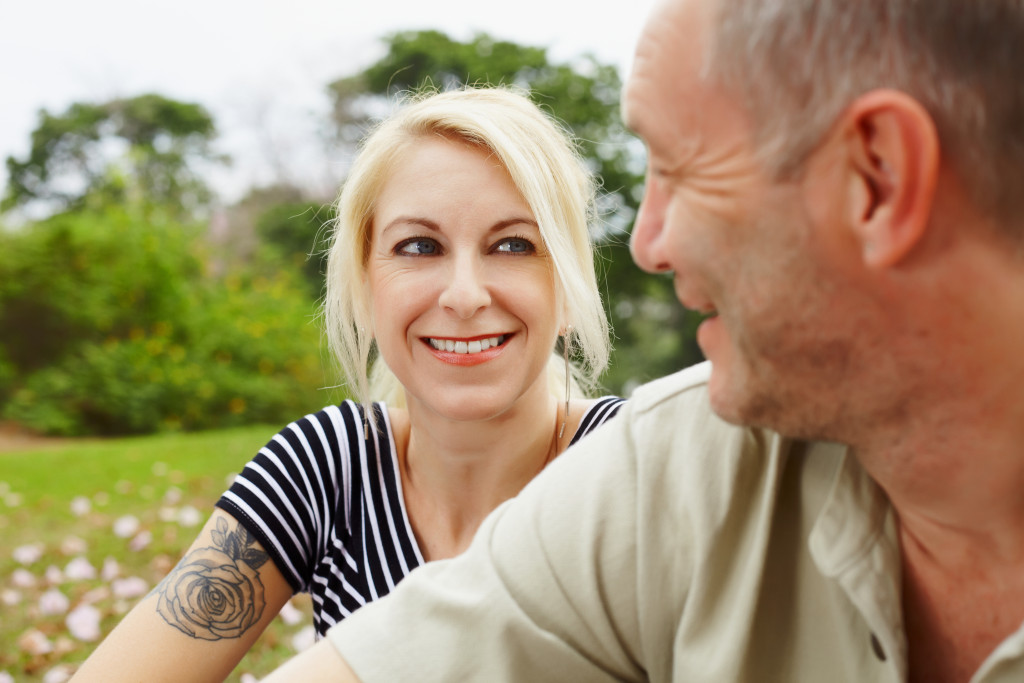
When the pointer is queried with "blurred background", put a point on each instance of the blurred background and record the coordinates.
(168, 175)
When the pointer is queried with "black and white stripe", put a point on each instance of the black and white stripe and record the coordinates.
(327, 504)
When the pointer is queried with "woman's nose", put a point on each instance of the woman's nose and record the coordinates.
(466, 290)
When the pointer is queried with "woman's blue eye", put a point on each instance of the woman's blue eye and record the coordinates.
(515, 245)
(417, 247)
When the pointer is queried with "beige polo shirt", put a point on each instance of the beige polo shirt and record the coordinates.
(665, 546)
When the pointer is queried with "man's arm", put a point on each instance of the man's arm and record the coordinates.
(199, 622)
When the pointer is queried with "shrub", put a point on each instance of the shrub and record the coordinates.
(112, 327)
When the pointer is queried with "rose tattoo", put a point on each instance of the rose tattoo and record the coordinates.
(215, 592)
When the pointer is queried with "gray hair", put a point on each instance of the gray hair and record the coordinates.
(797, 64)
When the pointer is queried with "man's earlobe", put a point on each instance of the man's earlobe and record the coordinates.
(893, 154)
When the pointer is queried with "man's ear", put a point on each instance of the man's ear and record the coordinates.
(893, 155)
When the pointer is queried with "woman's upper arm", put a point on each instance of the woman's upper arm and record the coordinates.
(202, 618)
(322, 662)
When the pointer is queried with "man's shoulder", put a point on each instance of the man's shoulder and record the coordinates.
(693, 378)
(669, 393)
(674, 414)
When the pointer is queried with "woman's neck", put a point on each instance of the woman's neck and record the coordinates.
(454, 473)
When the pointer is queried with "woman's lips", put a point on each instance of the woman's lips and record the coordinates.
(467, 351)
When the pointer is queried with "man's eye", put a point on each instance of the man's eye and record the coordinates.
(515, 245)
(417, 246)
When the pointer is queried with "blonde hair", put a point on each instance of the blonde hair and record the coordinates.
(542, 162)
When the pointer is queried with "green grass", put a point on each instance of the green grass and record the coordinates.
(151, 478)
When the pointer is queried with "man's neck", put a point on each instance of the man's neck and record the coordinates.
(955, 473)
(954, 478)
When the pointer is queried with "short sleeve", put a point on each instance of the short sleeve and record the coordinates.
(288, 495)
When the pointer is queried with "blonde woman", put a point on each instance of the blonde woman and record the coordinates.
(461, 270)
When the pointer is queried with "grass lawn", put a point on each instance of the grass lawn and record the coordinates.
(62, 508)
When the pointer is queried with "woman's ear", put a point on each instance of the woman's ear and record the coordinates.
(564, 327)
(892, 150)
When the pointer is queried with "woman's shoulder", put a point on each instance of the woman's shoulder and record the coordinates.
(609, 404)
(593, 413)
(336, 425)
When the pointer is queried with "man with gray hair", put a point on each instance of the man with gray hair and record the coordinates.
(837, 495)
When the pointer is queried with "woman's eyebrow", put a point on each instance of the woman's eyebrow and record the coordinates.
(508, 222)
(432, 225)
(412, 220)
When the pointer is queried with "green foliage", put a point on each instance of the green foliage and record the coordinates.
(87, 277)
(7, 373)
(298, 231)
(142, 149)
(113, 328)
(584, 95)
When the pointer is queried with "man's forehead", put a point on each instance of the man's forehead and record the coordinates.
(666, 64)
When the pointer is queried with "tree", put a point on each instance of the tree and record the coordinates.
(298, 231)
(584, 95)
(141, 149)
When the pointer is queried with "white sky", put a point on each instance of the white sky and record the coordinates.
(259, 66)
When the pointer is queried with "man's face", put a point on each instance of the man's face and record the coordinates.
(743, 247)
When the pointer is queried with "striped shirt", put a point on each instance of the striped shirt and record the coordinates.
(327, 504)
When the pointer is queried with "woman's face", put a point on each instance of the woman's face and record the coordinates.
(462, 288)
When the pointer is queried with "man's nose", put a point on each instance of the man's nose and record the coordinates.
(647, 243)
(465, 291)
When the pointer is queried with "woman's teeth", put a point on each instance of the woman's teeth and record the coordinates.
(475, 346)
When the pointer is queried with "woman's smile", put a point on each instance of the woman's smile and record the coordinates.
(467, 351)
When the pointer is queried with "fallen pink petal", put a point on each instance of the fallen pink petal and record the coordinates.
(73, 545)
(23, 578)
(53, 575)
(126, 526)
(172, 496)
(129, 587)
(290, 614)
(141, 540)
(61, 673)
(28, 554)
(188, 516)
(80, 506)
(80, 569)
(35, 643)
(53, 602)
(64, 645)
(96, 595)
(10, 597)
(84, 623)
(111, 569)
(304, 638)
